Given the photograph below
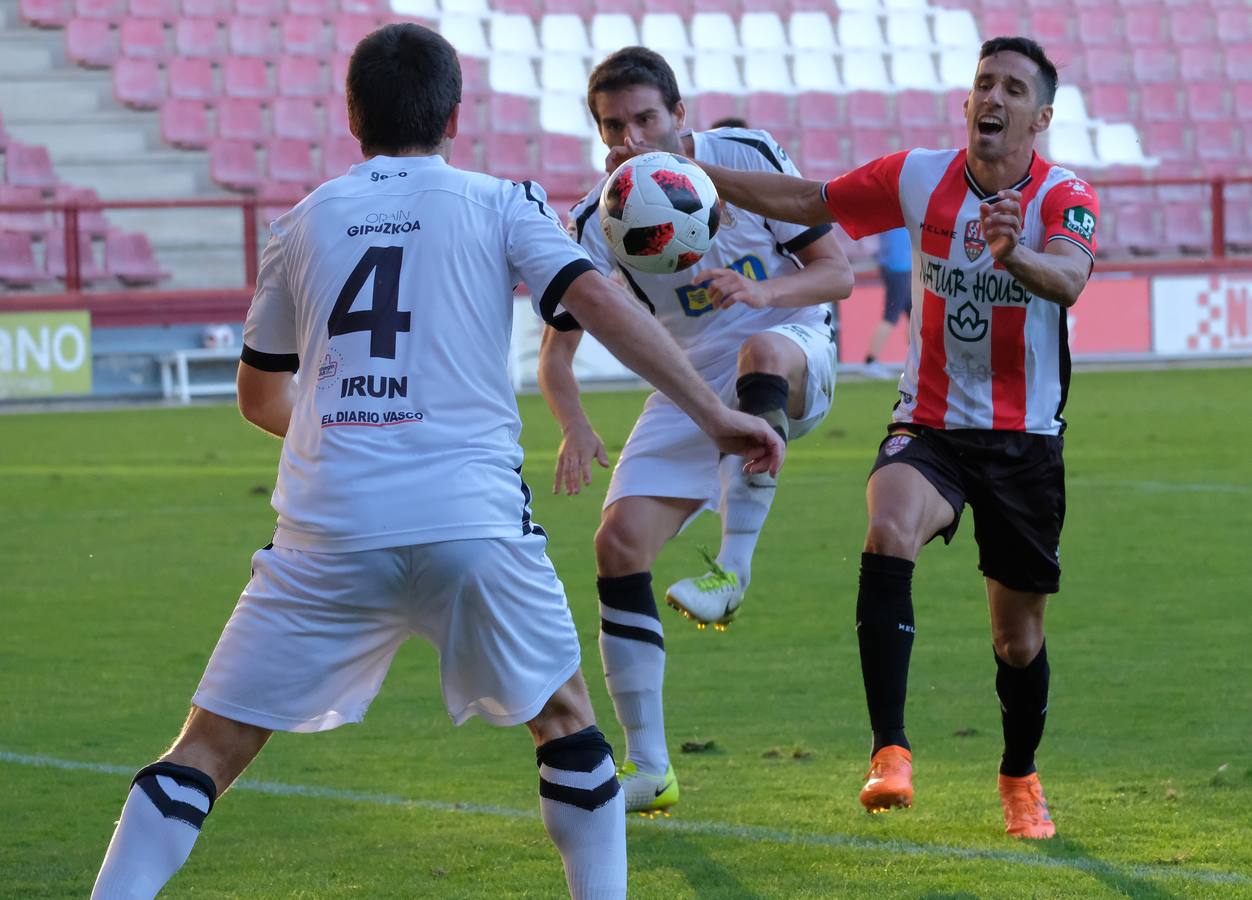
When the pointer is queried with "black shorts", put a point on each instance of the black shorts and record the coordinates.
(899, 296)
(1015, 483)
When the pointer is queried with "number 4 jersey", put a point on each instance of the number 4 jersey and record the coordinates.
(983, 352)
(390, 292)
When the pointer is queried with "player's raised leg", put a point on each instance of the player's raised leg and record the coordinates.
(771, 384)
(169, 801)
(1022, 675)
(905, 510)
(632, 642)
(579, 795)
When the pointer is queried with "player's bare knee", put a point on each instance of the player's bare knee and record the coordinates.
(888, 535)
(221, 748)
(761, 353)
(619, 549)
(567, 711)
(1018, 648)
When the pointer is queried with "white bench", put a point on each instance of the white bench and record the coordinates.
(174, 366)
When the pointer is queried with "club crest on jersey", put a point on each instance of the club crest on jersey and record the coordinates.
(895, 444)
(974, 244)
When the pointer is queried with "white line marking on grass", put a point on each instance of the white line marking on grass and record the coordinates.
(750, 833)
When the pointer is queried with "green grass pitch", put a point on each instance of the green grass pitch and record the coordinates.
(126, 539)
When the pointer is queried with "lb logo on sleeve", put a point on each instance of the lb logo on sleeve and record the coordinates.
(1081, 221)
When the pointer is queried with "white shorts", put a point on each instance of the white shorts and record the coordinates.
(313, 634)
(666, 455)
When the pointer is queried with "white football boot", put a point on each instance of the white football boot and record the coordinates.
(711, 599)
(648, 795)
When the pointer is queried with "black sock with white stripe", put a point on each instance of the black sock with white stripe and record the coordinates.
(632, 646)
(584, 813)
(160, 822)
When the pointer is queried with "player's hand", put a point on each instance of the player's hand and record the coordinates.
(579, 447)
(740, 434)
(621, 153)
(1002, 224)
(727, 287)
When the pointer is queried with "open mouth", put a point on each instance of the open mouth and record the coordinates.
(989, 125)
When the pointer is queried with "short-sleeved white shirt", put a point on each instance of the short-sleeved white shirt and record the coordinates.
(391, 290)
(753, 245)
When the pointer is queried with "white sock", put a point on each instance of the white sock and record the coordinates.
(160, 823)
(632, 646)
(584, 813)
(746, 500)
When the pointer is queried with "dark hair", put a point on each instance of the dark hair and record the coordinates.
(730, 122)
(403, 83)
(629, 67)
(1031, 50)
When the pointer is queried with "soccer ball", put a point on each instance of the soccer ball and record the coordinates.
(659, 213)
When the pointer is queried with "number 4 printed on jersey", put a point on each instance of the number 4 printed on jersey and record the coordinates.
(383, 320)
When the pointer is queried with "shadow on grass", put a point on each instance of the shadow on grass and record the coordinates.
(707, 878)
(1111, 874)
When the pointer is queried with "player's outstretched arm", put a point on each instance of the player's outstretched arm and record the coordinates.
(641, 344)
(579, 442)
(265, 398)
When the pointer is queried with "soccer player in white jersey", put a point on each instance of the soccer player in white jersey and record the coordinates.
(377, 347)
(755, 322)
(1003, 245)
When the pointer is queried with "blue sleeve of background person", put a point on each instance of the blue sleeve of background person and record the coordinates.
(895, 250)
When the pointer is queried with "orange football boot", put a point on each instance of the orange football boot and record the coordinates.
(889, 782)
(1025, 809)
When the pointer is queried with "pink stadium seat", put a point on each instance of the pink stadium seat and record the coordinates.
(1186, 227)
(32, 221)
(322, 9)
(1243, 100)
(1071, 62)
(17, 261)
(45, 13)
(164, 10)
(1199, 64)
(769, 111)
(208, 9)
(143, 39)
(128, 255)
(296, 118)
(27, 165)
(108, 10)
(91, 222)
(233, 164)
(995, 22)
(185, 123)
(871, 143)
(1138, 230)
(1207, 102)
(1190, 26)
(818, 110)
(191, 79)
(1234, 26)
(246, 76)
(1154, 65)
(632, 8)
(339, 72)
(1159, 103)
(954, 106)
(1167, 140)
(305, 36)
(268, 9)
(1099, 26)
(1049, 26)
(713, 106)
(1238, 212)
(1239, 62)
(930, 138)
(241, 119)
(511, 114)
(90, 42)
(681, 7)
(89, 271)
(473, 76)
(918, 108)
(252, 36)
(585, 9)
(340, 154)
(291, 162)
(1109, 66)
(137, 83)
(472, 118)
(1144, 26)
(1217, 144)
(301, 76)
(565, 171)
(199, 38)
(372, 8)
(509, 156)
(868, 109)
(465, 155)
(1110, 101)
(349, 30)
(822, 149)
(337, 116)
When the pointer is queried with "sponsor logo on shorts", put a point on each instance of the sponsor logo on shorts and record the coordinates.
(974, 243)
(1081, 221)
(896, 443)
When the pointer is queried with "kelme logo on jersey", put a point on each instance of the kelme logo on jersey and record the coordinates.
(695, 300)
(974, 244)
(1081, 221)
(966, 324)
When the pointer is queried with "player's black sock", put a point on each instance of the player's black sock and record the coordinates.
(632, 646)
(869, 359)
(764, 395)
(884, 630)
(1023, 708)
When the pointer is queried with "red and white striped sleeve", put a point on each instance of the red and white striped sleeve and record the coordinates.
(1070, 211)
(866, 200)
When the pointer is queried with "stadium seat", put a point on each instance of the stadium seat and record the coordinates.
(350, 29)
(301, 76)
(956, 30)
(814, 70)
(768, 110)
(871, 143)
(297, 118)
(1234, 25)
(868, 109)
(1242, 98)
(710, 72)
(562, 71)
(1190, 27)
(241, 119)
(864, 70)
(913, 6)
(1108, 66)
(1217, 144)
(932, 138)
(191, 79)
(473, 75)
(199, 38)
(913, 69)
(267, 9)
(1159, 103)
(917, 108)
(1199, 64)
(291, 162)
(137, 83)
(563, 33)
(1239, 62)
(817, 109)
(1166, 141)
(823, 152)
(208, 9)
(164, 10)
(1238, 212)
(1050, 26)
(17, 256)
(89, 270)
(479, 8)
(1099, 25)
(668, 7)
(1208, 102)
(246, 76)
(465, 155)
(128, 256)
(1187, 228)
(766, 71)
(1144, 27)
(28, 165)
(106, 10)
(1071, 144)
(1118, 144)
(1110, 101)
(1001, 21)
(1068, 105)
(509, 156)
(907, 30)
(339, 73)
(957, 70)
(665, 33)
(185, 123)
(512, 74)
(91, 222)
(632, 8)
(513, 34)
(233, 164)
(322, 9)
(565, 112)
(250, 36)
(340, 154)
(716, 105)
(610, 31)
(30, 222)
(811, 31)
(143, 39)
(510, 114)
(565, 171)
(45, 13)
(762, 31)
(465, 33)
(1137, 230)
(90, 42)
(859, 31)
(584, 9)
(1154, 65)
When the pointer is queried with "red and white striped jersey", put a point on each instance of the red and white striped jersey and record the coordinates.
(983, 351)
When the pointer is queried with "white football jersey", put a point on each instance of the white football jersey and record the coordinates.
(390, 289)
(755, 246)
